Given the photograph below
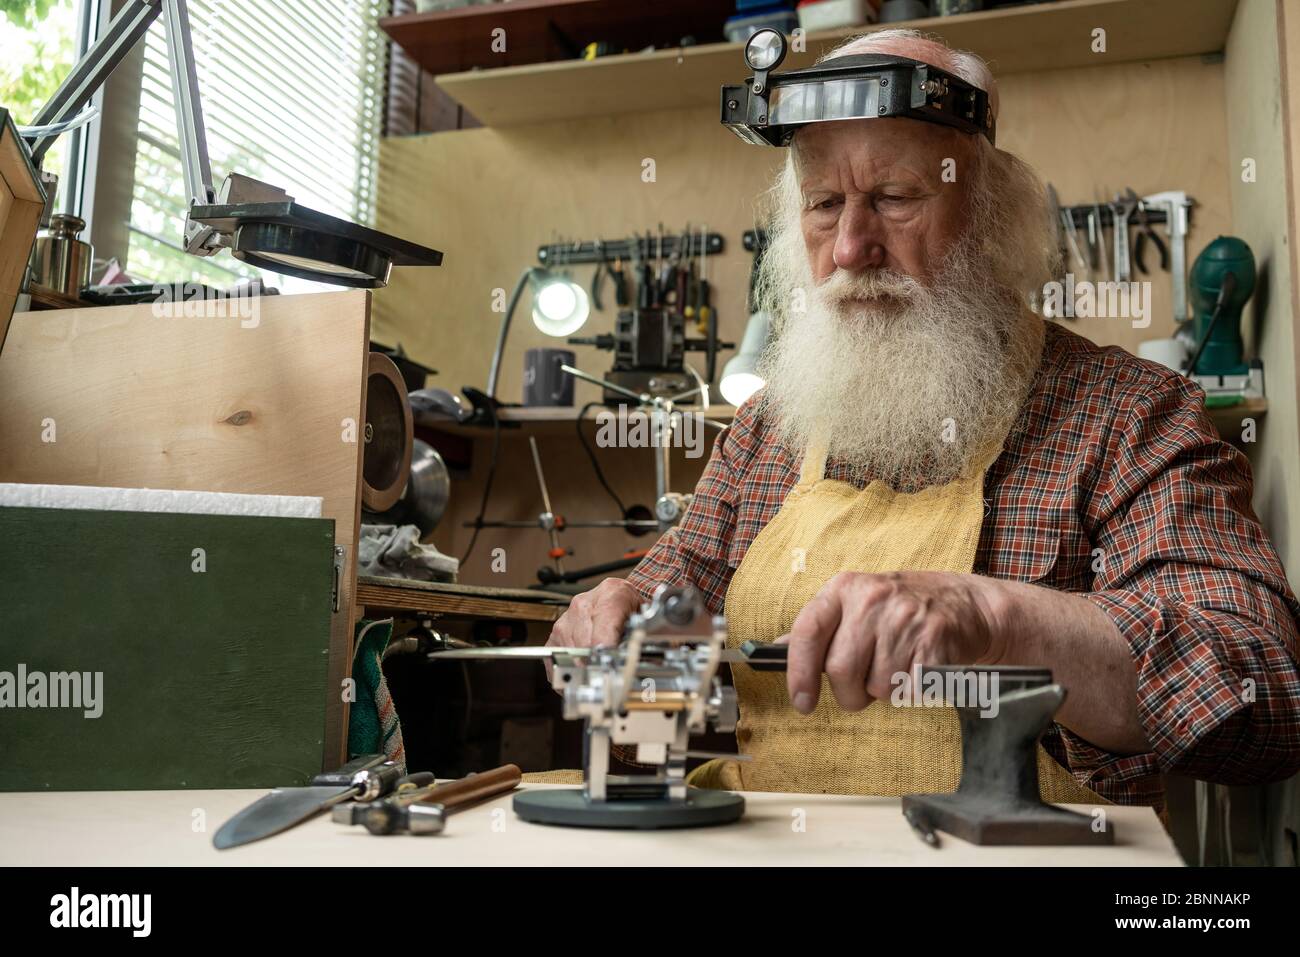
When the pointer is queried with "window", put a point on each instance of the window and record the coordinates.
(38, 46)
(292, 94)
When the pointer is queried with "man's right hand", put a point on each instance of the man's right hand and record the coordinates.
(596, 617)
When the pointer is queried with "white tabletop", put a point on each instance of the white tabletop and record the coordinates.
(123, 828)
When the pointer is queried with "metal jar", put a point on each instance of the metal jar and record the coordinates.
(61, 261)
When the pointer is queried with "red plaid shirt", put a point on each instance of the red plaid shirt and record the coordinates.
(1110, 453)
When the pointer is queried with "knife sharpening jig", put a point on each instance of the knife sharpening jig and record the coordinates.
(651, 692)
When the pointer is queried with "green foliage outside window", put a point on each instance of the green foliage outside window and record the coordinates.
(37, 41)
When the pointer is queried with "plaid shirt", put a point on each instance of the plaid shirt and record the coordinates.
(1114, 484)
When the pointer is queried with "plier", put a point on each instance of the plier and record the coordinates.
(1147, 234)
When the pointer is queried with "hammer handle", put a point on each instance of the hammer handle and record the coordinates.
(475, 787)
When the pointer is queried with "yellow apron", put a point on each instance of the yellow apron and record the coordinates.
(825, 527)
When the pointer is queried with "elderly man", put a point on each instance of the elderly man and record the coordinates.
(933, 474)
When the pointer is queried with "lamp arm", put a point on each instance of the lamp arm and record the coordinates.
(189, 109)
(124, 31)
(80, 86)
(640, 397)
(701, 387)
(495, 371)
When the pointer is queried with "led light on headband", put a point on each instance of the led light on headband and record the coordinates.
(771, 107)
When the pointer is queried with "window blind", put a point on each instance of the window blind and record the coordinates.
(292, 93)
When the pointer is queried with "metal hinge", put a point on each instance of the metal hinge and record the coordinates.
(340, 554)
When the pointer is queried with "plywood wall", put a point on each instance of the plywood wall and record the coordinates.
(489, 197)
(1263, 215)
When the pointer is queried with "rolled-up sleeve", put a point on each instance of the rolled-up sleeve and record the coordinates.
(1191, 581)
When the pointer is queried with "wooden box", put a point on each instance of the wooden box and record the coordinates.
(21, 203)
(208, 401)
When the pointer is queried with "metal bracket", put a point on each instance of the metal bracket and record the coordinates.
(340, 560)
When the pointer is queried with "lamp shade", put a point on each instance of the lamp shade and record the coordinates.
(740, 378)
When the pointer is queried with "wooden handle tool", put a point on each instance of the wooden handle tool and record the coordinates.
(425, 810)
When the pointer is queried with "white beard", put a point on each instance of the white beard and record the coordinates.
(916, 386)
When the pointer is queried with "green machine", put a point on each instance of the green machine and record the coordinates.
(1221, 282)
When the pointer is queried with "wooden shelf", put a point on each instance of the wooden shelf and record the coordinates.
(1228, 418)
(558, 420)
(439, 600)
(568, 413)
(448, 41)
(44, 297)
(1013, 39)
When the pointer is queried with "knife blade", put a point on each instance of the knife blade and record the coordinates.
(760, 657)
(283, 808)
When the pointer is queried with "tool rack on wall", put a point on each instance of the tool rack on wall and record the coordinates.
(645, 247)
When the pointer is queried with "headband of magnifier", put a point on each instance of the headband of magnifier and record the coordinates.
(770, 108)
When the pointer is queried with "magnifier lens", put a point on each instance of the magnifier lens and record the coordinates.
(315, 265)
(765, 50)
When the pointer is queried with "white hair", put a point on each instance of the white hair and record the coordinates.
(960, 63)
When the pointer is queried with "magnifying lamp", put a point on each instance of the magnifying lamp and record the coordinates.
(264, 227)
(259, 223)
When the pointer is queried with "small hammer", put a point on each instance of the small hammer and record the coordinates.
(425, 810)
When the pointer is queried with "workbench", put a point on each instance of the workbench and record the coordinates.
(123, 828)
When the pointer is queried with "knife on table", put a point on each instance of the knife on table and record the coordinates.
(365, 779)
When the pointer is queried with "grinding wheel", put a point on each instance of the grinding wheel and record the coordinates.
(424, 498)
(388, 436)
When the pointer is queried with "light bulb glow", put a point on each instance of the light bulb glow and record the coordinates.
(560, 308)
(739, 386)
(557, 301)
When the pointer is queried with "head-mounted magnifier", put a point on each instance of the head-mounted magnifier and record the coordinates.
(771, 107)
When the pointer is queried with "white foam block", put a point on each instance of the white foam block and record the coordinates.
(14, 495)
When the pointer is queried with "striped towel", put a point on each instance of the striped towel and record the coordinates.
(373, 727)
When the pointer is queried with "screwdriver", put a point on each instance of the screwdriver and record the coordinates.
(620, 282)
(704, 308)
(692, 292)
(681, 283)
